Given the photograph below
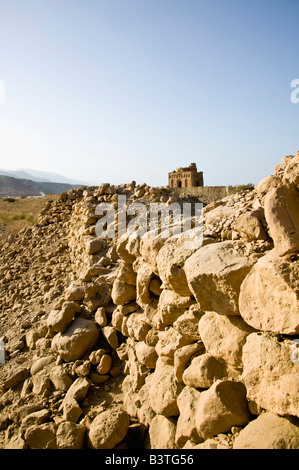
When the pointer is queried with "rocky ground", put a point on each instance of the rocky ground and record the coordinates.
(143, 343)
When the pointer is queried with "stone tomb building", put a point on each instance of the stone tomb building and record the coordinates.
(187, 177)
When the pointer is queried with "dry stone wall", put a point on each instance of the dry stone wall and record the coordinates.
(140, 342)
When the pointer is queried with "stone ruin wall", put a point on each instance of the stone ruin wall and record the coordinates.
(202, 341)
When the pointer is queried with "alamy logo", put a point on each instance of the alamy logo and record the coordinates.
(295, 93)
(138, 219)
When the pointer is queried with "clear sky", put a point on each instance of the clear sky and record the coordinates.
(116, 90)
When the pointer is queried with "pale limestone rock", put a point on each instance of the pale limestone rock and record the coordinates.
(269, 374)
(82, 368)
(104, 365)
(171, 306)
(269, 295)
(136, 327)
(94, 245)
(74, 292)
(41, 383)
(250, 227)
(16, 442)
(163, 379)
(215, 273)
(37, 417)
(78, 390)
(71, 410)
(182, 356)
(108, 429)
(101, 317)
(40, 363)
(162, 433)
(42, 436)
(146, 355)
(122, 292)
(95, 356)
(97, 294)
(203, 371)
(169, 341)
(155, 286)
(187, 402)
(224, 337)
(144, 277)
(60, 378)
(212, 444)
(170, 265)
(220, 407)
(126, 273)
(127, 247)
(268, 431)
(70, 435)
(187, 323)
(81, 336)
(110, 334)
(138, 371)
(282, 215)
(15, 377)
(266, 184)
(291, 171)
(150, 245)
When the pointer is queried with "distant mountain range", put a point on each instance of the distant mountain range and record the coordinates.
(43, 176)
(27, 182)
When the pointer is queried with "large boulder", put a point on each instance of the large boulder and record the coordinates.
(220, 407)
(164, 390)
(291, 171)
(171, 305)
(203, 371)
(59, 320)
(187, 323)
(80, 336)
(186, 429)
(250, 227)
(282, 215)
(170, 264)
(169, 341)
(268, 431)
(183, 355)
(224, 337)
(41, 436)
(144, 276)
(122, 292)
(108, 429)
(270, 375)
(269, 295)
(215, 273)
(70, 435)
(162, 433)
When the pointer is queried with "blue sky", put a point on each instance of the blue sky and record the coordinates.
(116, 90)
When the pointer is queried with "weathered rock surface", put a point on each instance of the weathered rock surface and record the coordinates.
(220, 407)
(215, 273)
(269, 297)
(108, 429)
(224, 337)
(268, 431)
(270, 376)
(281, 212)
(81, 336)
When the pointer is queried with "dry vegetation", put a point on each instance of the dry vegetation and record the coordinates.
(15, 213)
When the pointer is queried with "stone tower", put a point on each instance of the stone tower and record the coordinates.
(187, 177)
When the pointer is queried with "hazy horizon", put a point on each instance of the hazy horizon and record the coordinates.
(118, 91)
